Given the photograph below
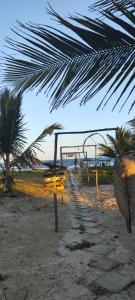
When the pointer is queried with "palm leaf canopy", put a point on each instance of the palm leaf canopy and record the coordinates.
(119, 145)
(29, 156)
(68, 68)
(12, 129)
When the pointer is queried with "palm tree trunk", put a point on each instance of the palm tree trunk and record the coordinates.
(8, 179)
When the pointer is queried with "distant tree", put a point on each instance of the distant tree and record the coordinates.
(119, 145)
(13, 140)
(103, 55)
(132, 124)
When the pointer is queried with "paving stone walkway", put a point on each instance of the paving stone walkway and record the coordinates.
(94, 255)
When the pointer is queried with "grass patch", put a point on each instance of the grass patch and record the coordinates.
(38, 209)
(105, 175)
(82, 228)
(3, 277)
(80, 246)
(28, 183)
(31, 175)
(99, 291)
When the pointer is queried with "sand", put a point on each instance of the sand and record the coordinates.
(38, 262)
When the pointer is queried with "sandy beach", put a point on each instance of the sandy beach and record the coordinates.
(91, 257)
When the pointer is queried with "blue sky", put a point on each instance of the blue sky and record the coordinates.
(36, 108)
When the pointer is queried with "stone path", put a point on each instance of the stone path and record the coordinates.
(100, 269)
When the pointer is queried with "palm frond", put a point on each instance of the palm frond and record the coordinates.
(26, 159)
(67, 68)
(120, 145)
(47, 131)
(106, 151)
(12, 139)
(112, 5)
(111, 139)
(29, 156)
(132, 123)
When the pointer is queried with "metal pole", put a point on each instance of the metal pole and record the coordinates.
(66, 160)
(61, 157)
(128, 220)
(88, 178)
(55, 194)
(87, 166)
(97, 187)
(55, 148)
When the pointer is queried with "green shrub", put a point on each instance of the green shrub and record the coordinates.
(3, 277)
(105, 176)
(80, 246)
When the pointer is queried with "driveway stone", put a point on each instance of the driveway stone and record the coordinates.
(114, 297)
(114, 281)
(103, 263)
(101, 249)
(95, 230)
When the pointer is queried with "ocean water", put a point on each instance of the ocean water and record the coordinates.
(70, 163)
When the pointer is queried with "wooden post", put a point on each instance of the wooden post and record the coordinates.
(55, 149)
(128, 219)
(87, 166)
(56, 211)
(55, 194)
(97, 187)
(88, 178)
(61, 163)
(79, 160)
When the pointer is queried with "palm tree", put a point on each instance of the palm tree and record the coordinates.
(122, 148)
(119, 146)
(102, 55)
(13, 140)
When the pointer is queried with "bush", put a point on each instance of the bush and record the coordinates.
(105, 175)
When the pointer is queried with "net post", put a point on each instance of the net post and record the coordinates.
(55, 194)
